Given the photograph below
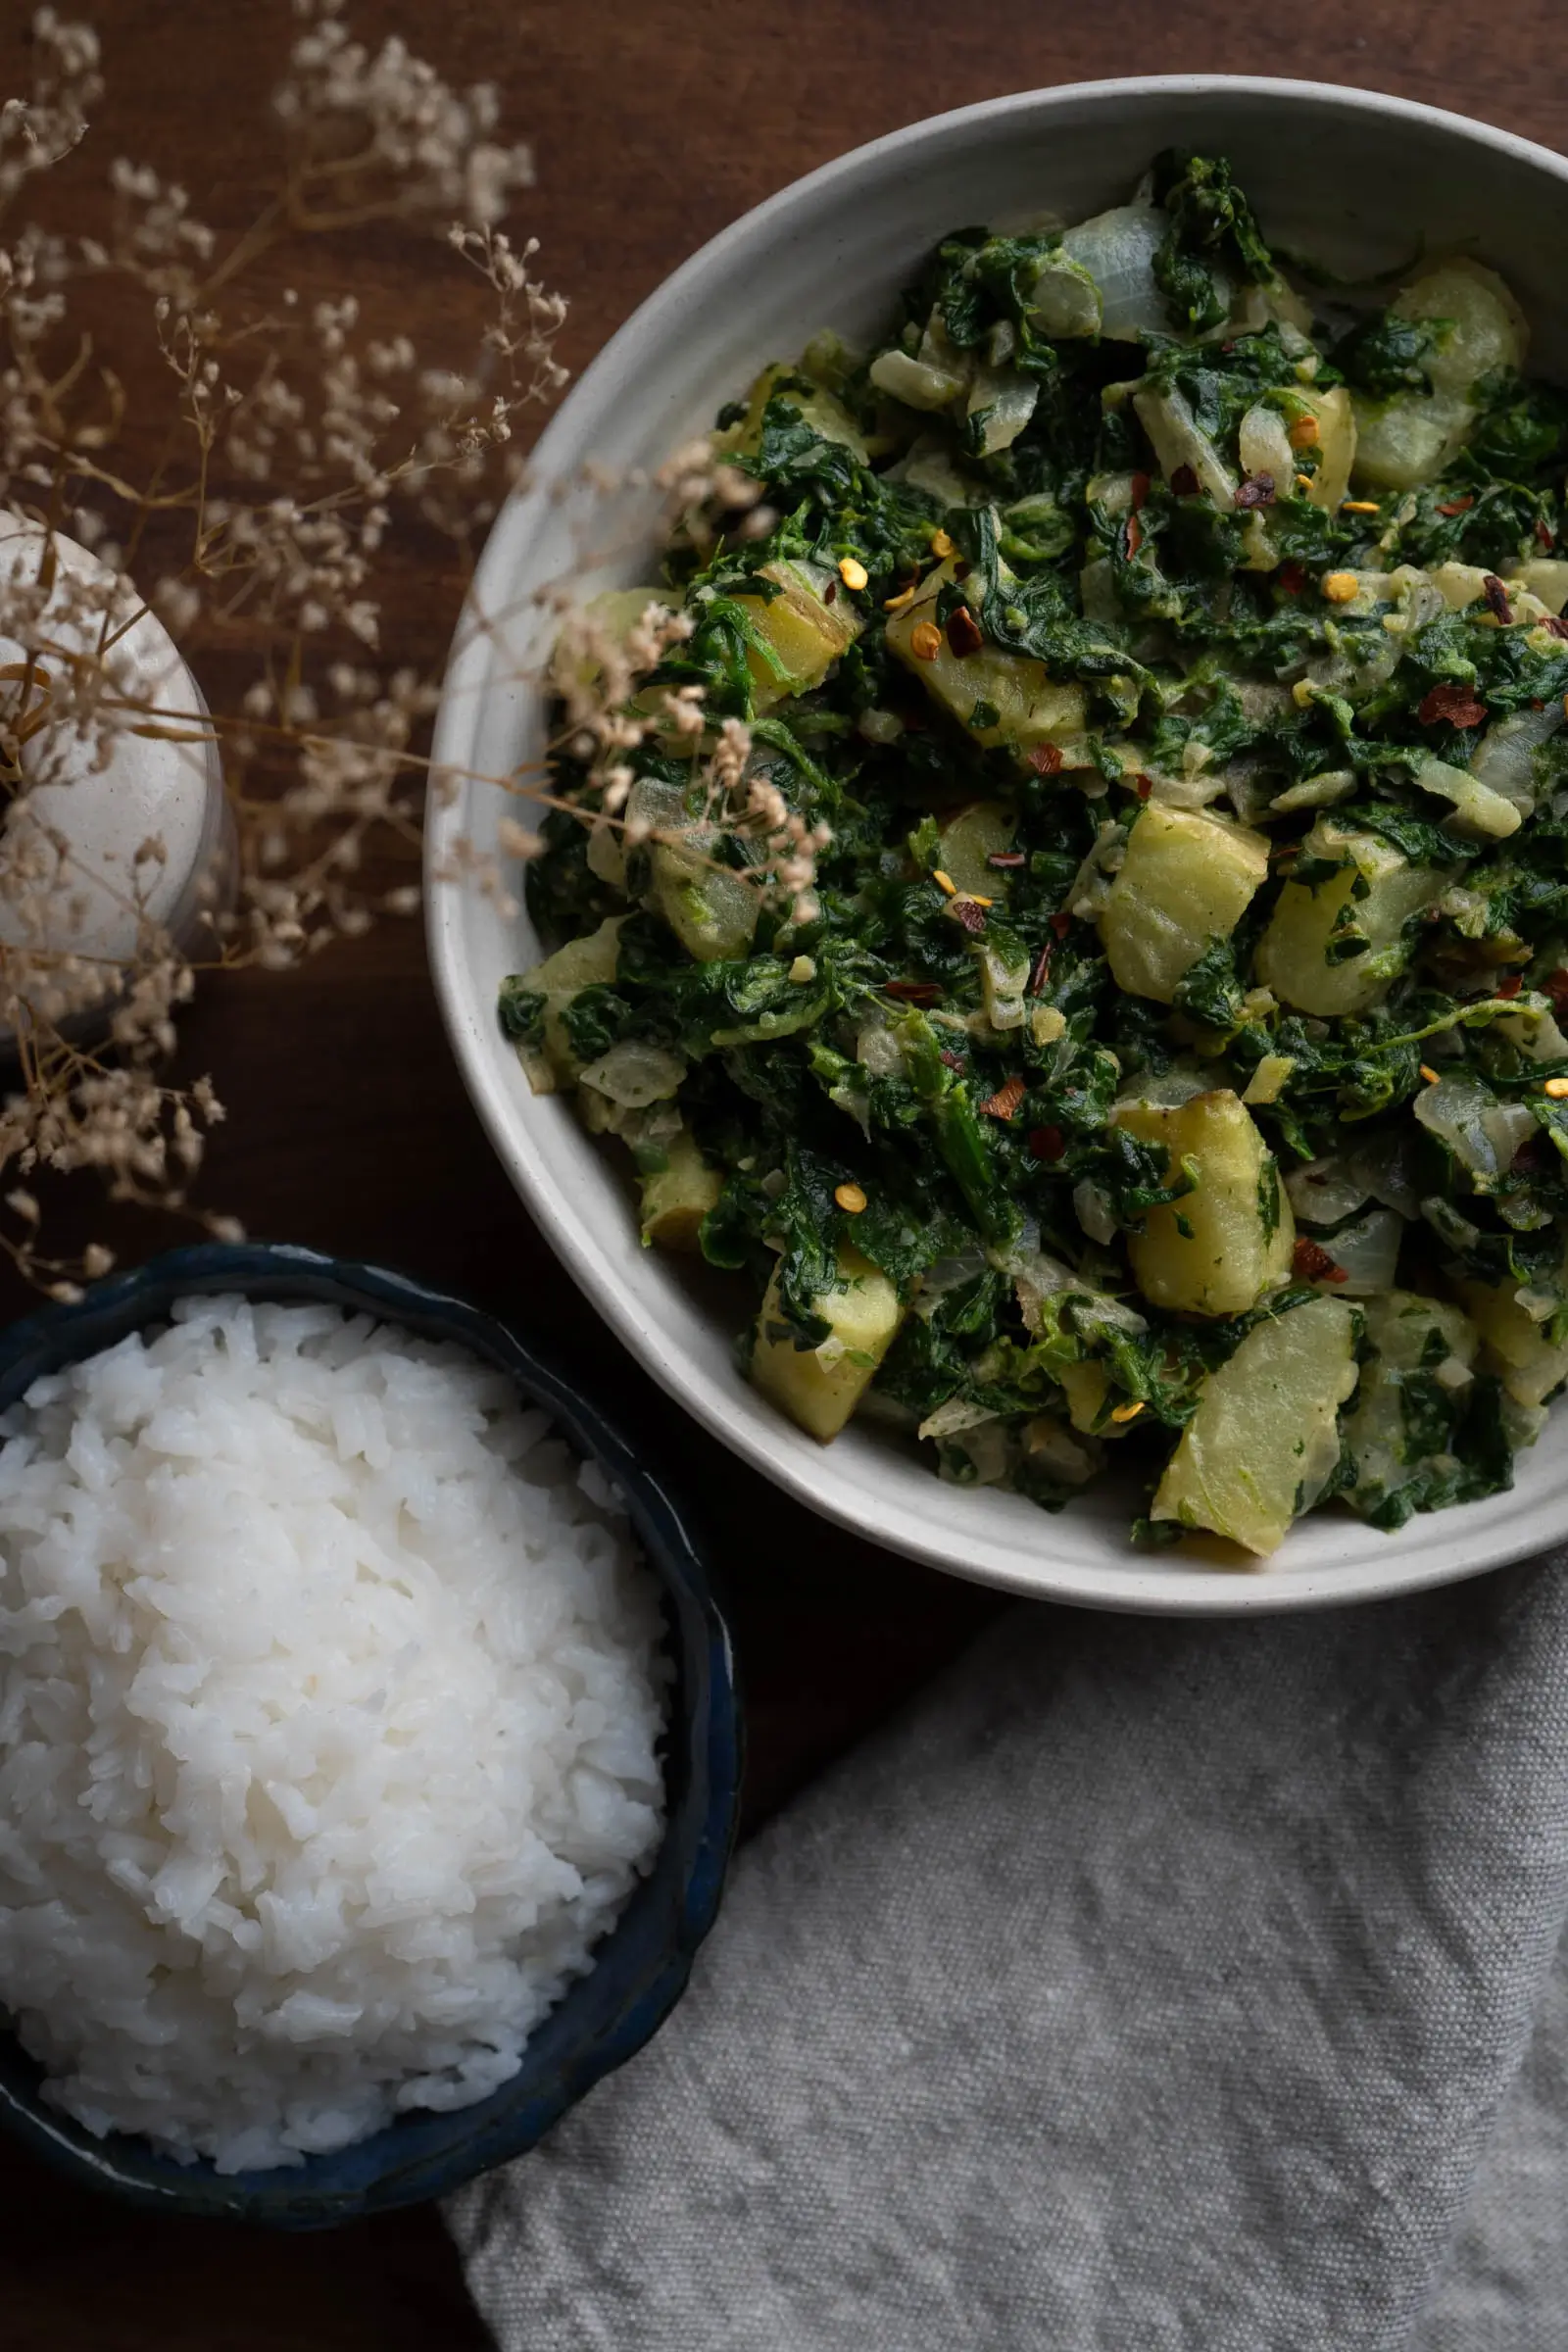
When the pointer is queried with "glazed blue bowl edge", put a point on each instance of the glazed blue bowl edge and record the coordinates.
(638, 1973)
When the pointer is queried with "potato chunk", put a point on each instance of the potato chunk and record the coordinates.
(803, 635)
(586, 963)
(1409, 439)
(676, 1197)
(1265, 1440)
(1423, 1351)
(1513, 1344)
(1293, 954)
(614, 613)
(712, 910)
(820, 409)
(983, 829)
(1239, 1229)
(1030, 707)
(1186, 881)
(820, 1386)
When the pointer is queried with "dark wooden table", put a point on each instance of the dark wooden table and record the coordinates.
(654, 123)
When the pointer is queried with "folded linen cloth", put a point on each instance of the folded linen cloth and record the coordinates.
(1147, 1985)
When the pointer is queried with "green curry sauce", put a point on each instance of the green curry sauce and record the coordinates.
(1164, 1076)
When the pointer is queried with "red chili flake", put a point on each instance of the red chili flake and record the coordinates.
(1311, 1262)
(1184, 481)
(1046, 760)
(962, 569)
(1509, 987)
(830, 593)
(955, 1061)
(1142, 786)
(1497, 596)
(1456, 505)
(1047, 1143)
(1554, 626)
(965, 633)
(1555, 985)
(1133, 536)
(1041, 974)
(1536, 703)
(1061, 923)
(967, 912)
(1227, 348)
(1543, 534)
(913, 992)
(1455, 704)
(1140, 490)
(1292, 577)
(1257, 491)
(1004, 1103)
(1005, 860)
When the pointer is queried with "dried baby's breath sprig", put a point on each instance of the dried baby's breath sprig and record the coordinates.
(250, 516)
(606, 682)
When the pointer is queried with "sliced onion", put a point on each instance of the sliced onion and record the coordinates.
(1366, 1254)
(1416, 597)
(1096, 591)
(930, 469)
(606, 854)
(1482, 1133)
(1199, 789)
(1004, 984)
(917, 385)
(1534, 1030)
(1006, 401)
(1504, 761)
(948, 1274)
(1118, 249)
(1065, 300)
(1522, 1424)
(1326, 1191)
(1052, 1444)
(988, 1450)
(1478, 812)
(1179, 440)
(1037, 1276)
(1264, 446)
(959, 1412)
(1092, 882)
(1091, 1204)
(1318, 792)
(654, 807)
(1380, 1164)
(634, 1074)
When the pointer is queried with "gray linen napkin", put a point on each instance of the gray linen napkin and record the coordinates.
(1145, 1985)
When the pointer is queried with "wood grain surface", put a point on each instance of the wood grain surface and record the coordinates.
(656, 123)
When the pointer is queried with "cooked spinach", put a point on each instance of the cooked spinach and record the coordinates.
(1218, 657)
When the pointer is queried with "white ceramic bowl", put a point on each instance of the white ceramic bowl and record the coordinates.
(1358, 181)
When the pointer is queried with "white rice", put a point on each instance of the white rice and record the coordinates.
(330, 1691)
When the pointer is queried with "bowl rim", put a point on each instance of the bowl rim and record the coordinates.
(1160, 1589)
(445, 2148)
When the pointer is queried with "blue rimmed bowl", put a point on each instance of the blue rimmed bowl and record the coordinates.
(640, 1969)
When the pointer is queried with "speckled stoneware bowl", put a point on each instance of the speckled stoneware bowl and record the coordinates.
(641, 1968)
(1357, 180)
